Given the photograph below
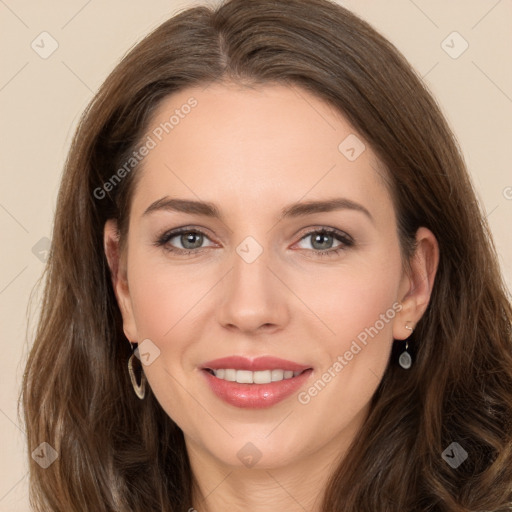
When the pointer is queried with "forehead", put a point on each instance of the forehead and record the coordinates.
(273, 143)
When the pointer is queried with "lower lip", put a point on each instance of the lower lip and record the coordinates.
(255, 396)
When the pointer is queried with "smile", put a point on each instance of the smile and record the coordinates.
(254, 395)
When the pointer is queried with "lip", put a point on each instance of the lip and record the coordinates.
(255, 396)
(254, 365)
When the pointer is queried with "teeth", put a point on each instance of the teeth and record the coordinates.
(248, 377)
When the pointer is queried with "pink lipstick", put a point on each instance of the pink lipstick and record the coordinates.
(290, 376)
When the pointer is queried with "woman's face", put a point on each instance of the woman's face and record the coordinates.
(254, 280)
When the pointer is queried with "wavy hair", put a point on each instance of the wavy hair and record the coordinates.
(117, 453)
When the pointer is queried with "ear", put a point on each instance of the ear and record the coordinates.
(117, 264)
(416, 286)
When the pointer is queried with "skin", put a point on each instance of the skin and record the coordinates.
(252, 152)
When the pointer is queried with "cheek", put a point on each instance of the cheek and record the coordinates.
(366, 330)
(354, 308)
(160, 296)
(350, 298)
(364, 302)
(164, 289)
(359, 309)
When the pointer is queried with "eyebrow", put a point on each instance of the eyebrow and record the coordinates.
(299, 209)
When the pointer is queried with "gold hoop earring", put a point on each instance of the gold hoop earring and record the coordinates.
(140, 389)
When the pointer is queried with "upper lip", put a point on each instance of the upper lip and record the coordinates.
(257, 364)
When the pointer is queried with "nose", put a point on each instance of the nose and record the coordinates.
(252, 297)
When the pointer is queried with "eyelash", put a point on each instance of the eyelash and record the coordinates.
(163, 240)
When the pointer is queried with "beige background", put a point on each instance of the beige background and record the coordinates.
(41, 100)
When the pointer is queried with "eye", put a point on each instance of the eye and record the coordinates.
(322, 240)
(191, 240)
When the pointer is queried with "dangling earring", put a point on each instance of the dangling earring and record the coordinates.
(405, 359)
(140, 389)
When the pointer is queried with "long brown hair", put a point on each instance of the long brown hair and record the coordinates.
(116, 452)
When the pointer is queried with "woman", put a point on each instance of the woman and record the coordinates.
(270, 284)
